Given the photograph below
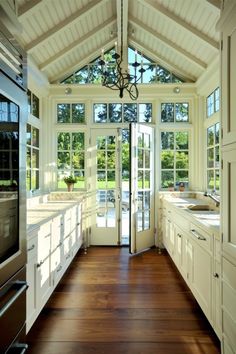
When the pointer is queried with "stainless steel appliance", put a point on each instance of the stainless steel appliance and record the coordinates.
(13, 115)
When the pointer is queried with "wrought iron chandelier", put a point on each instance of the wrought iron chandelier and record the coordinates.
(115, 77)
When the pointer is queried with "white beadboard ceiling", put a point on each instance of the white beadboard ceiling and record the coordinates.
(64, 35)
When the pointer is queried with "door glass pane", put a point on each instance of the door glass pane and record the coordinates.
(139, 221)
(147, 220)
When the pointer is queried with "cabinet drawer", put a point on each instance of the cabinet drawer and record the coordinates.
(201, 237)
(179, 220)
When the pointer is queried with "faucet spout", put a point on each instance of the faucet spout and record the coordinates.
(213, 196)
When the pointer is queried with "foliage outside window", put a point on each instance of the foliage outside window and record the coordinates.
(213, 102)
(71, 113)
(174, 112)
(91, 73)
(33, 104)
(118, 113)
(71, 158)
(32, 169)
(213, 157)
(174, 159)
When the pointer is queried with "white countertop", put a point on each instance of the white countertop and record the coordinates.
(207, 218)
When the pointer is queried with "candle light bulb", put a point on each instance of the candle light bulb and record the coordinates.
(102, 53)
(116, 47)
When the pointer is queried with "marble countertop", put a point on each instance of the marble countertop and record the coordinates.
(207, 218)
(43, 212)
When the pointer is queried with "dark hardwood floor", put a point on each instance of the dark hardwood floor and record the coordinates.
(111, 303)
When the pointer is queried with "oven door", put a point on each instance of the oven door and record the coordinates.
(13, 106)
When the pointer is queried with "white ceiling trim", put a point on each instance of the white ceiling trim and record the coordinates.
(28, 7)
(187, 55)
(122, 23)
(73, 46)
(67, 22)
(84, 61)
(179, 21)
(163, 61)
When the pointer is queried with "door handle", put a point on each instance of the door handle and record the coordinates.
(22, 286)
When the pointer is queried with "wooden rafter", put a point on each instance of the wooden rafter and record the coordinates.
(168, 43)
(28, 7)
(69, 21)
(74, 45)
(216, 3)
(122, 22)
(179, 21)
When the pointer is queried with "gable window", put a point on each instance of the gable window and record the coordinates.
(70, 113)
(32, 165)
(213, 157)
(174, 112)
(174, 158)
(118, 113)
(213, 102)
(71, 158)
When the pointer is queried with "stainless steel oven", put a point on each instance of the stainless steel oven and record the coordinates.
(13, 116)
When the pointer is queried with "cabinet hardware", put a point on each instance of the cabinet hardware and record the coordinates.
(179, 235)
(39, 264)
(68, 256)
(197, 235)
(169, 221)
(31, 248)
(59, 269)
(216, 275)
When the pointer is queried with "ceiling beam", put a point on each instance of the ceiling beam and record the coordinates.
(65, 51)
(153, 5)
(163, 61)
(122, 22)
(83, 61)
(169, 43)
(61, 26)
(28, 7)
(216, 3)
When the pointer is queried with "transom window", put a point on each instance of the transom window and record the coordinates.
(174, 112)
(32, 167)
(70, 113)
(213, 102)
(33, 104)
(213, 157)
(174, 159)
(118, 112)
(71, 158)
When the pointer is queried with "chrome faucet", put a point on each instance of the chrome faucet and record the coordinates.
(214, 197)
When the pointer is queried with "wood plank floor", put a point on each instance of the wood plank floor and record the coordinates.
(111, 303)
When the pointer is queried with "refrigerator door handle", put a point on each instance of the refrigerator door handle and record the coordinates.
(22, 286)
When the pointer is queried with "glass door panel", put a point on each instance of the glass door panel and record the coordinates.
(105, 192)
(142, 188)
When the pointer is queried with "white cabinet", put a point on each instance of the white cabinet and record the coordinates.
(200, 271)
(181, 249)
(51, 248)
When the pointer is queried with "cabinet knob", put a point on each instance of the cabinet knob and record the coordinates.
(216, 275)
(179, 235)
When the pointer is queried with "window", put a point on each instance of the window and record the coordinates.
(32, 169)
(118, 113)
(71, 158)
(33, 104)
(174, 158)
(70, 113)
(174, 112)
(213, 157)
(91, 73)
(213, 102)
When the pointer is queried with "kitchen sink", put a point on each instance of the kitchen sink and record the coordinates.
(200, 207)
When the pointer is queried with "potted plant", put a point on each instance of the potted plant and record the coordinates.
(181, 187)
(70, 181)
(171, 186)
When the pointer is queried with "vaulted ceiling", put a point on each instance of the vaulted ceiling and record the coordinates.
(64, 35)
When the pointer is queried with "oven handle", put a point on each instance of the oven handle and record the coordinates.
(23, 287)
(21, 346)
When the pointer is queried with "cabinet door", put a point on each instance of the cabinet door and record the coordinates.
(228, 79)
(180, 252)
(229, 198)
(43, 282)
(201, 277)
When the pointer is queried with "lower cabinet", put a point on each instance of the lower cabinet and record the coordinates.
(51, 248)
(197, 255)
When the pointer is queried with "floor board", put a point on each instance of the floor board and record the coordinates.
(110, 302)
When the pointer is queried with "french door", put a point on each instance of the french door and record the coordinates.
(105, 187)
(112, 221)
(141, 188)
